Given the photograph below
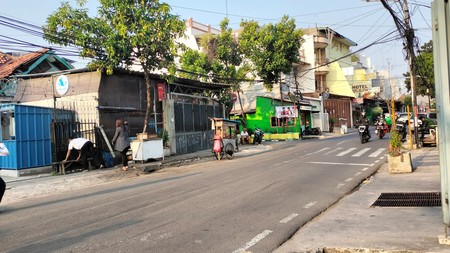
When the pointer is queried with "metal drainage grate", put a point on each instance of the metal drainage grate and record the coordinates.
(409, 199)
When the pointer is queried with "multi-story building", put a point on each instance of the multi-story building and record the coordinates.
(331, 55)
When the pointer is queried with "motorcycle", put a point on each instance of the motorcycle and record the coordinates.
(258, 136)
(363, 134)
(311, 131)
(381, 129)
(402, 128)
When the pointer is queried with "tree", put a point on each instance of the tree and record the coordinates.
(271, 48)
(407, 101)
(425, 71)
(123, 32)
(220, 61)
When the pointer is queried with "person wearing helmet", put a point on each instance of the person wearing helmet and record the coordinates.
(364, 121)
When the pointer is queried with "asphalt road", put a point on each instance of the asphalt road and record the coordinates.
(252, 203)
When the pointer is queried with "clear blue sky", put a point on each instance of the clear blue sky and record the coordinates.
(358, 20)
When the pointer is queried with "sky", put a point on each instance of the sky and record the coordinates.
(358, 20)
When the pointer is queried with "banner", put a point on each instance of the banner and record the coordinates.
(161, 91)
(286, 111)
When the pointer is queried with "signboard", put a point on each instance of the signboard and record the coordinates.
(62, 85)
(161, 92)
(360, 88)
(305, 108)
(286, 111)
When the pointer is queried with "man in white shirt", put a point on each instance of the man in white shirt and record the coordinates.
(84, 147)
(244, 136)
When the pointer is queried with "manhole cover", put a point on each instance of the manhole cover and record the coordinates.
(409, 199)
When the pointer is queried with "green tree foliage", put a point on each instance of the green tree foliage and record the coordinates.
(408, 101)
(122, 32)
(220, 61)
(271, 48)
(425, 71)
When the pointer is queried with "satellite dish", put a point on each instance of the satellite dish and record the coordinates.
(325, 95)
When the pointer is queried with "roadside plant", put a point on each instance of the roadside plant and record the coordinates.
(395, 143)
(164, 135)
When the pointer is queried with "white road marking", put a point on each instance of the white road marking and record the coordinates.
(318, 151)
(310, 204)
(358, 173)
(289, 218)
(365, 169)
(339, 143)
(340, 185)
(371, 165)
(276, 164)
(376, 161)
(346, 152)
(348, 179)
(349, 164)
(377, 153)
(288, 161)
(333, 150)
(254, 241)
(361, 152)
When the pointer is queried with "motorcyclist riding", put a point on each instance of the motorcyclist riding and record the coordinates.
(364, 121)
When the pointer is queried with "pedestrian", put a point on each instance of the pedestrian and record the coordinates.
(218, 144)
(3, 152)
(121, 141)
(85, 150)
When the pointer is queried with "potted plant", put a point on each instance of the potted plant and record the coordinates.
(164, 135)
(331, 122)
(398, 160)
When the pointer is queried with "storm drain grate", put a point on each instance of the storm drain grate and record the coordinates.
(409, 199)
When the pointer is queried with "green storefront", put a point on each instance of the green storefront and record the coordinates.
(278, 120)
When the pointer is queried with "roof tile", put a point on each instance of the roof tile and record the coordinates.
(10, 65)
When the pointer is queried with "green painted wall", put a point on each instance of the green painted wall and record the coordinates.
(265, 110)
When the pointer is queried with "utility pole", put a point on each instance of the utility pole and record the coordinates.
(405, 29)
(412, 65)
(441, 46)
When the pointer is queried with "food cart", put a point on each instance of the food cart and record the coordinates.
(228, 131)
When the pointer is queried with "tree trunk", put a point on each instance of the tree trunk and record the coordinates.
(244, 121)
(149, 104)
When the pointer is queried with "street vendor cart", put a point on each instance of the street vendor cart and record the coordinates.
(225, 141)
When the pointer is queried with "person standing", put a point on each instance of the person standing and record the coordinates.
(121, 141)
(3, 152)
(218, 144)
(85, 150)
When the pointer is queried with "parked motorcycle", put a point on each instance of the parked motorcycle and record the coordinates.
(258, 136)
(402, 128)
(364, 134)
(311, 131)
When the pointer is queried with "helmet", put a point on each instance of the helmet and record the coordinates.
(363, 113)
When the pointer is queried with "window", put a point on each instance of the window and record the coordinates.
(281, 122)
(7, 125)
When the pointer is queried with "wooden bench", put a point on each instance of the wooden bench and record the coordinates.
(62, 166)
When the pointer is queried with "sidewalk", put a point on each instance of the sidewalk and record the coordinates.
(352, 225)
